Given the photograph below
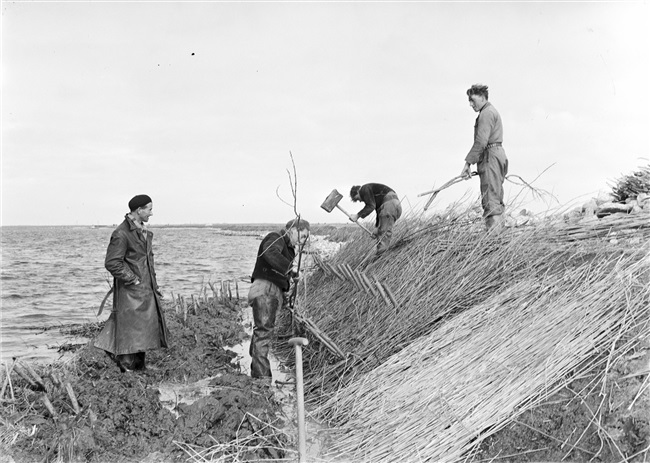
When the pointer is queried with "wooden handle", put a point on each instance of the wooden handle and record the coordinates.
(349, 217)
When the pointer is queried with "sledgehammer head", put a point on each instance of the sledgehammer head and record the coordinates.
(331, 201)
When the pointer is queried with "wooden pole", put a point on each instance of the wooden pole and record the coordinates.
(300, 396)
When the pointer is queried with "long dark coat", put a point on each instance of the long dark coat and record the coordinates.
(137, 322)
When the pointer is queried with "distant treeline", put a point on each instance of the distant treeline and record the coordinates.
(334, 232)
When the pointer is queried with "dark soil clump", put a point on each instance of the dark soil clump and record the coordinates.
(118, 417)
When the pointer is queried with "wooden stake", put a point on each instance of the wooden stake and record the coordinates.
(196, 305)
(336, 272)
(215, 295)
(35, 375)
(381, 291)
(46, 401)
(55, 379)
(23, 374)
(362, 281)
(390, 295)
(73, 397)
(369, 284)
(354, 279)
(8, 380)
(184, 307)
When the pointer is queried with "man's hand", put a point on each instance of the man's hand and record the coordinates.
(466, 173)
(354, 217)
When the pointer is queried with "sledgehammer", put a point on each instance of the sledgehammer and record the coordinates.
(332, 201)
(302, 444)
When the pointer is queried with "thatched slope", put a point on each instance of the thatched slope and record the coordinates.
(484, 325)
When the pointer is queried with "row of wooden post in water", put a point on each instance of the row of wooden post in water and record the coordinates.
(222, 294)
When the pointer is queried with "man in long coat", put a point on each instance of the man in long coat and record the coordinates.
(136, 323)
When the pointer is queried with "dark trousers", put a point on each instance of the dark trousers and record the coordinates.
(265, 298)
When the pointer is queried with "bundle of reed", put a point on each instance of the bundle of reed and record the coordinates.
(631, 224)
(445, 392)
(434, 272)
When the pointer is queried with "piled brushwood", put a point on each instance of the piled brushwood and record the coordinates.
(478, 330)
(629, 195)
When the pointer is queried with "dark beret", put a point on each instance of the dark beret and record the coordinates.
(139, 201)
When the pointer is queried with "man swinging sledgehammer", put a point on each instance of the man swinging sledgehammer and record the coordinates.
(384, 201)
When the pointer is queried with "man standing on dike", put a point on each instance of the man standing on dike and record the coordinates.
(488, 154)
(384, 201)
(271, 278)
(136, 323)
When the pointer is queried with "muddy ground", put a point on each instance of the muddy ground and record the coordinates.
(121, 418)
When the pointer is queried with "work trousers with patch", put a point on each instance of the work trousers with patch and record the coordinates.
(390, 211)
(492, 169)
(265, 298)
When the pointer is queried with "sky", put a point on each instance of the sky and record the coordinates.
(207, 107)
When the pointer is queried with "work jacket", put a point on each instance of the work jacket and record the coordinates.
(136, 322)
(488, 129)
(374, 195)
(274, 258)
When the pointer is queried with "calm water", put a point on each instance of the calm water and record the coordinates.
(52, 276)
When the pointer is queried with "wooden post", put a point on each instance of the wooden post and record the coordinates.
(73, 398)
(369, 284)
(184, 307)
(35, 375)
(8, 380)
(196, 305)
(23, 374)
(382, 292)
(48, 405)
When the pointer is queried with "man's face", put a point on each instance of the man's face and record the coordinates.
(145, 212)
(298, 237)
(477, 102)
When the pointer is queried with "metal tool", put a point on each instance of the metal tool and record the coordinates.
(332, 201)
(302, 444)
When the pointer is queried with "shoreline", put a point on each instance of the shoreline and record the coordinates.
(102, 429)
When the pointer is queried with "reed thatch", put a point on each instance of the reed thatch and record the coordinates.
(483, 326)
